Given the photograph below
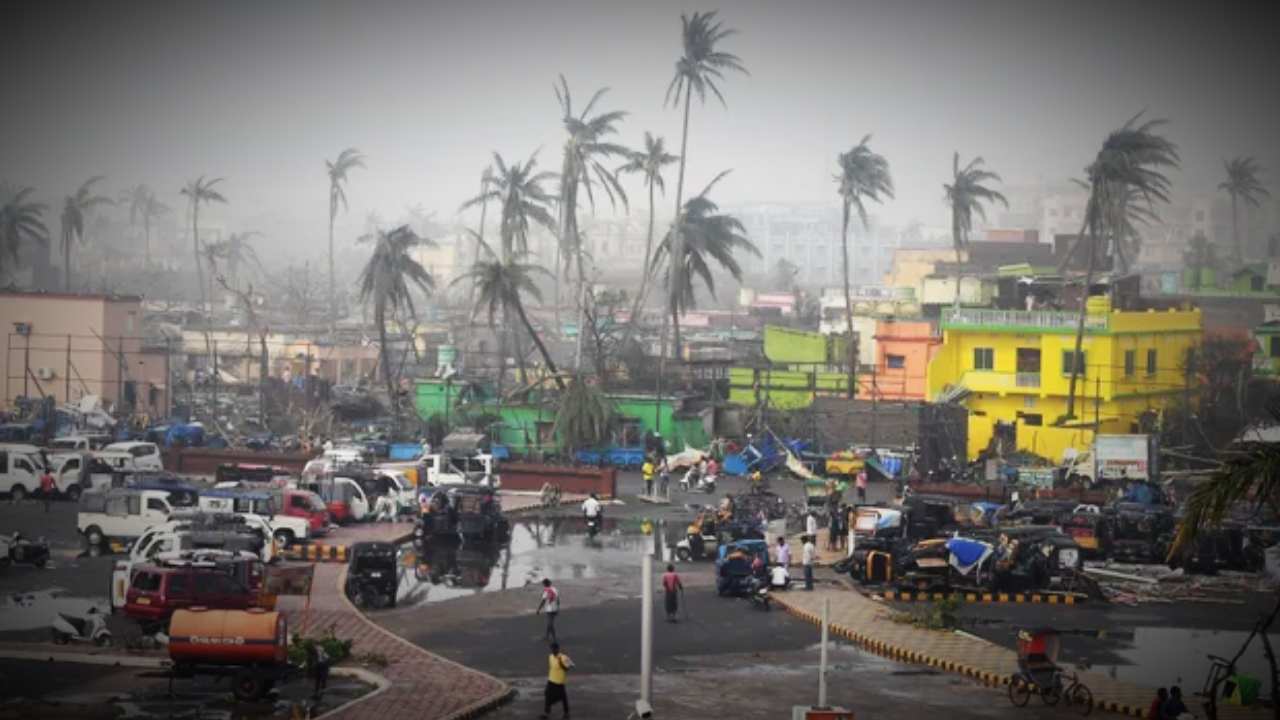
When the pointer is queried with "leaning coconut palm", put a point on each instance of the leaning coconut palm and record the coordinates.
(864, 175)
(21, 223)
(699, 69)
(517, 188)
(74, 210)
(585, 151)
(582, 420)
(966, 195)
(388, 279)
(707, 237)
(234, 252)
(144, 206)
(1126, 173)
(500, 284)
(337, 170)
(486, 177)
(200, 191)
(1243, 185)
(648, 162)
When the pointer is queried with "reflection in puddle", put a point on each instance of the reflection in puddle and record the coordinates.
(36, 609)
(1162, 656)
(556, 547)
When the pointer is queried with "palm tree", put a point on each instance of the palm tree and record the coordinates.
(337, 170)
(486, 178)
(649, 162)
(388, 280)
(143, 205)
(965, 196)
(1199, 256)
(518, 189)
(200, 191)
(1242, 184)
(1126, 173)
(235, 251)
(864, 175)
(74, 210)
(582, 419)
(499, 284)
(699, 69)
(20, 222)
(706, 237)
(585, 151)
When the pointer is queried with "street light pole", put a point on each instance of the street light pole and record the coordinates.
(646, 629)
(822, 661)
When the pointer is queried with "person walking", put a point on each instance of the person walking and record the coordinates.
(807, 559)
(834, 534)
(673, 589)
(646, 472)
(862, 485)
(664, 478)
(47, 488)
(1157, 704)
(558, 666)
(850, 518)
(784, 552)
(811, 524)
(551, 604)
(318, 664)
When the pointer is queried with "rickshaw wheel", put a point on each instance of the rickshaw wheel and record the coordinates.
(1019, 691)
(1081, 696)
(1051, 695)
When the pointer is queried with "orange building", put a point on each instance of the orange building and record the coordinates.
(903, 351)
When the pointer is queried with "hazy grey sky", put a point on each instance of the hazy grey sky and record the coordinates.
(263, 92)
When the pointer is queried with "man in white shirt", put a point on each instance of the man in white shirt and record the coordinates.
(810, 550)
(811, 524)
(591, 507)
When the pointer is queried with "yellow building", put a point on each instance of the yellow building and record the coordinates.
(1014, 367)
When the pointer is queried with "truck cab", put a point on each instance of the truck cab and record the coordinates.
(20, 469)
(120, 514)
(343, 497)
(285, 528)
(146, 456)
(456, 469)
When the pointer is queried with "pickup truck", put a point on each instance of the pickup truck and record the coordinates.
(20, 470)
(286, 529)
(120, 513)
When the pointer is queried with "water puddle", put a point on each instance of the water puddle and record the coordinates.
(1162, 656)
(556, 547)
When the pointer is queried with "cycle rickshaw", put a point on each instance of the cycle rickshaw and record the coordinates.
(1039, 674)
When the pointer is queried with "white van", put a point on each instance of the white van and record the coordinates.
(146, 456)
(20, 470)
(120, 513)
(286, 529)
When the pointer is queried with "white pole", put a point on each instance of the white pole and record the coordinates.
(646, 629)
(822, 662)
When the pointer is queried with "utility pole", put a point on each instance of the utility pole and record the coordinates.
(306, 380)
(1097, 404)
(215, 379)
(822, 655)
(646, 628)
(119, 373)
(875, 401)
(67, 373)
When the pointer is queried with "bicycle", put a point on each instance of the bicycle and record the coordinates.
(1064, 687)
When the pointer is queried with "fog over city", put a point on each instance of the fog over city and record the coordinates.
(262, 93)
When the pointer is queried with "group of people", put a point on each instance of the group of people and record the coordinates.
(1167, 704)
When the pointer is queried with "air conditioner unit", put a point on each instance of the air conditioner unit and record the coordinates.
(45, 373)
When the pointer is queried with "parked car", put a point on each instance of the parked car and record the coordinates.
(156, 591)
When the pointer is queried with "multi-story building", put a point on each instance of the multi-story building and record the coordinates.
(809, 238)
(904, 349)
(1013, 368)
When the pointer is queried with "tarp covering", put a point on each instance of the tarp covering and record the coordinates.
(966, 554)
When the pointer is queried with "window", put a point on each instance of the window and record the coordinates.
(179, 585)
(896, 362)
(1069, 364)
(1130, 362)
(984, 359)
(146, 582)
(1256, 283)
(157, 504)
(1151, 362)
(1275, 346)
(1033, 419)
(4, 462)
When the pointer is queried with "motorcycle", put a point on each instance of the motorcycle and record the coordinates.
(90, 628)
(18, 550)
(707, 484)
(594, 524)
(758, 592)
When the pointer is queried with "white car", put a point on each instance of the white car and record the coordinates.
(146, 456)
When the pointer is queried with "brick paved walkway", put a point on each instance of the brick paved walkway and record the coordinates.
(867, 623)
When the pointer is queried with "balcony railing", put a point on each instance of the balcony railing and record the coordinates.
(1029, 319)
(1028, 379)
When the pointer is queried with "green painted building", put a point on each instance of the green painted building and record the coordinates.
(802, 365)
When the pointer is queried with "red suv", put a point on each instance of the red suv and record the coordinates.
(155, 591)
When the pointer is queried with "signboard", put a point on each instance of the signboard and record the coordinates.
(1270, 313)
(1273, 272)
(289, 579)
(1122, 456)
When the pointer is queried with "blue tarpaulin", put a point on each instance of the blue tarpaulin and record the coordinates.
(967, 554)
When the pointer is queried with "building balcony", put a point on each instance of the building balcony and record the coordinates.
(1019, 320)
(1027, 380)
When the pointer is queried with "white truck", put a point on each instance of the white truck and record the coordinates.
(120, 514)
(286, 529)
(20, 469)
(1117, 457)
(146, 456)
(451, 469)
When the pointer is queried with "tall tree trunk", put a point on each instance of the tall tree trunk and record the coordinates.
(546, 356)
(333, 301)
(852, 349)
(1091, 225)
(634, 320)
(146, 240)
(67, 236)
(195, 246)
(677, 237)
(959, 243)
(1235, 229)
(380, 318)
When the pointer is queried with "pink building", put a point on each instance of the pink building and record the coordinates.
(69, 345)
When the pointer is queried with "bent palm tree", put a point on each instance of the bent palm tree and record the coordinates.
(864, 175)
(517, 188)
(20, 223)
(1126, 172)
(1242, 184)
(388, 280)
(500, 284)
(144, 206)
(650, 163)
(585, 151)
(337, 170)
(74, 210)
(707, 237)
(965, 196)
(699, 69)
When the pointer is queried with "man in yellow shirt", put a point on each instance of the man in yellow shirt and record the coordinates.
(646, 471)
(558, 665)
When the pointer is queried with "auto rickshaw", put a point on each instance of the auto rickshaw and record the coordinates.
(737, 563)
(1039, 673)
(372, 575)
(702, 538)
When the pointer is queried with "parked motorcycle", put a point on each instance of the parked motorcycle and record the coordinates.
(90, 628)
(758, 592)
(707, 484)
(18, 550)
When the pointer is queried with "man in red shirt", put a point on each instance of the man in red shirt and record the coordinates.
(671, 585)
(47, 488)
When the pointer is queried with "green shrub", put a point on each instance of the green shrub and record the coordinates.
(336, 648)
